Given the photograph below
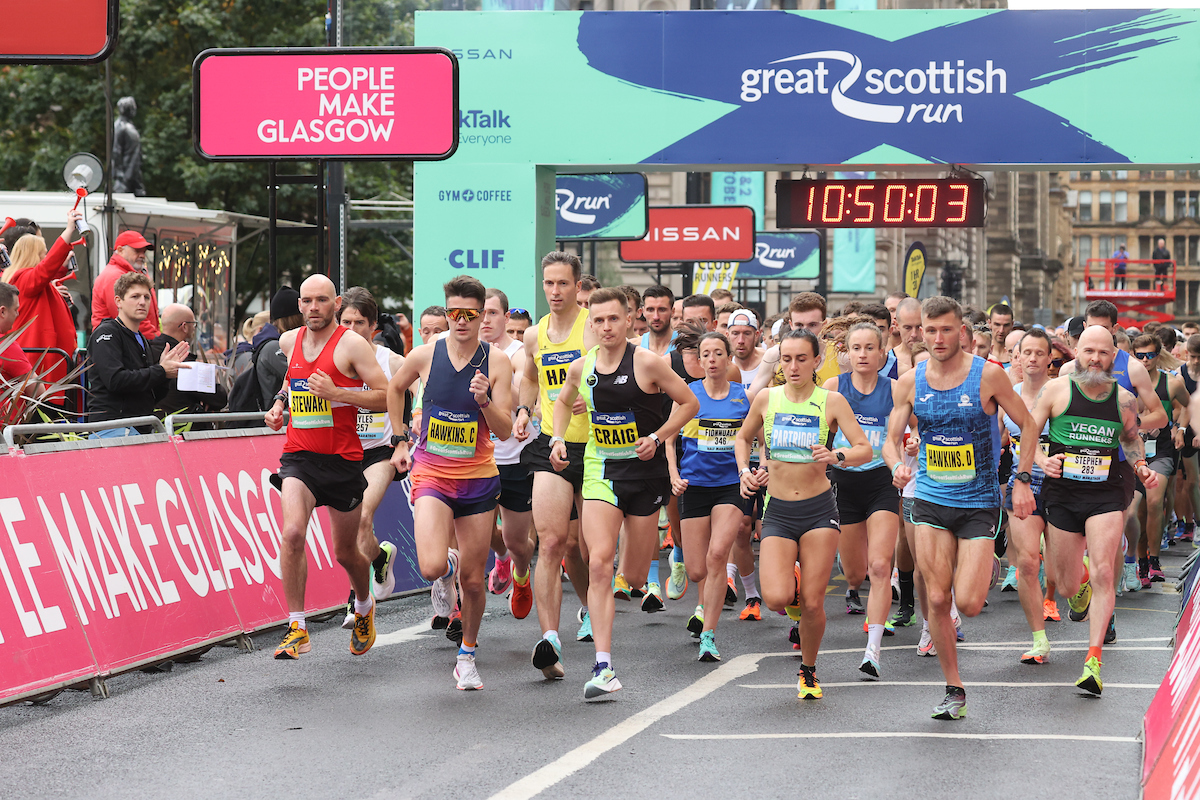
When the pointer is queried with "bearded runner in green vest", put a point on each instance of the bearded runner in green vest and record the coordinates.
(1094, 442)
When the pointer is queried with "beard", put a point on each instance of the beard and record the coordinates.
(319, 324)
(1093, 378)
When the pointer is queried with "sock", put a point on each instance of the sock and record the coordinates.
(362, 607)
(548, 635)
(298, 618)
(874, 637)
(750, 586)
(906, 589)
(521, 580)
(731, 571)
(1130, 560)
(1039, 637)
(652, 575)
(1094, 652)
(1154, 563)
(380, 559)
(604, 659)
(465, 649)
(1143, 564)
(806, 668)
(677, 553)
(505, 557)
(924, 625)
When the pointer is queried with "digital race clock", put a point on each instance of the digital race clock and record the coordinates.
(836, 203)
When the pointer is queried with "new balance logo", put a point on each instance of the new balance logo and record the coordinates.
(620, 380)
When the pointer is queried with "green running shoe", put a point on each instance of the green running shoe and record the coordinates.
(1080, 602)
(677, 584)
(1038, 653)
(603, 683)
(585, 629)
(653, 600)
(708, 647)
(1090, 680)
(953, 707)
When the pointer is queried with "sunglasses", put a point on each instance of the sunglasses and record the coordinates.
(1146, 356)
(1057, 362)
(468, 314)
(524, 311)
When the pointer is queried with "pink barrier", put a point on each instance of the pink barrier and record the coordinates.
(117, 557)
(1171, 727)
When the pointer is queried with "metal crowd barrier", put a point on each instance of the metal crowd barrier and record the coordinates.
(61, 428)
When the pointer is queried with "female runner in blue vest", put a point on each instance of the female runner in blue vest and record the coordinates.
(706, 482)
(800, 517)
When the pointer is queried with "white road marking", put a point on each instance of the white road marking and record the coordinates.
(906, 735)
(1006, 684)
(1155, 610)
(410, 634)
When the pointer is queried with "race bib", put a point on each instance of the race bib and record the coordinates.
(371, 425)
(451, 434)
(1086, 467)
(950, 459)
(717, 435)
(793, 437)
(1043, 443)
(554, 371)
(615, 434)
(876, 433)
(308, 410)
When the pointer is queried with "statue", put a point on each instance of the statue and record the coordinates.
(127, 150)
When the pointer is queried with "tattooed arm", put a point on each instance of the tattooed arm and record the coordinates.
(1131, 440)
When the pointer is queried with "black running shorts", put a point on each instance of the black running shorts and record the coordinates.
(964, 523)
(334, 481)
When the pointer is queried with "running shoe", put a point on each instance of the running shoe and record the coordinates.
(1038, 653)
(1079, 604)
(603, 683)
(996, 570)
(1110, 633)
(1050, 611)
(295, 641)
(466, 674)
(666, 540)
(439, 623)
(953, 707)
(1180, 530)
(501, 577)
(708, 647)
(653, 601)
(794, 637)
(1156, 573)
(888, 628)
(520, 599)
(730, 592)
(443, 593)
(1090, 680)
(1042, 573)
(895, 585)
(621, 589)
(1144, 575)
(1130, 577)
(383, 577)
(547, 656)
(695, 623)
(454, 628)
(793, 610)
(925, 647)
(958, 631)
(677, 584)
(904, 617)
(752, 611)
(362, 635)
(637, 594)
(348, 620)
(808, 687)
(870, 663)
(585, 629)
(1009, 584)
(853, 603)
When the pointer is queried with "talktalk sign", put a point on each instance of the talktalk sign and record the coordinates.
(59, 32)
(695, 233)
(338, 103)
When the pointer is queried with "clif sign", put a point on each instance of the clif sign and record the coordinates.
(59, 32)
(695, 233)
(337, 103)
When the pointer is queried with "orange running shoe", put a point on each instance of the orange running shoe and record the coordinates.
(520, 599)
(1050, 611)
(668, 541)
(752, 611)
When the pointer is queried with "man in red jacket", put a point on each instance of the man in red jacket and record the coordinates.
(129, 255)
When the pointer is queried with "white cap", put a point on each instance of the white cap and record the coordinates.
(743, 316)
(776, 328)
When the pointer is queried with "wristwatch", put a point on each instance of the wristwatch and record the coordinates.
(1024, 477)
(841, 457)
(656, 440)
(397, 438)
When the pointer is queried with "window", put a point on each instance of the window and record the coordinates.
(1193, 246)
(1072, 176)
(1106, 174)
(1160, 205)
(1181, 174)
(1121, 209)
(1179, 249)
(1180, 205)
(1143, 205)
(1120, 241)
(1145, 174)
(1144, 248)
(1193, 206)
(1085, 176)
(1106, 247)
(1083, 249)
(1122, 174)
(1085, 206)
(1193, 295)
(1106, 206)
(1160, 175)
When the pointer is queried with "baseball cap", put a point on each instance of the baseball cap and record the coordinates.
(776, 328)
(1075, 327)
(743, 316)
(132, 239)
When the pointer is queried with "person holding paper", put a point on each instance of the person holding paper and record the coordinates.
(193, 391)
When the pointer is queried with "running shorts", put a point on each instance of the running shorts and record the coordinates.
(699, 501)
(638, 498)
(964, 523)
(536, 458)
(791, 519)
(334, 481)
(516, 487)
(465, 496)
(378, 455)
(861, 494)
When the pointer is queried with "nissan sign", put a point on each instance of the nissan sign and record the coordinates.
(695, 233)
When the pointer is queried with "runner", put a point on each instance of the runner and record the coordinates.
(625, 470)
(1025, 535)
(467, 390)
(515, 548)
(954, 397)
(1000, 320)
(706, 482)
(560, 338)
(657, 303)
(747, 357)
(1087, 489)
(800, 524)
(908, 325)
(868, 503)
(360, 314)
(322, 456)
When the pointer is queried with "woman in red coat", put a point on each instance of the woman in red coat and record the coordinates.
(36, 273)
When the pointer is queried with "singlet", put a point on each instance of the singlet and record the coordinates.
(670, 347)
(455, 441)
(1014, 434)
(1088, 432)
(1163, 445)
(956, 463)
(1120, 370)
(1189, 382)
(680, 369)
(871, 411)
(509, 450)
(620, 414)
(552, 362)
(792, 429)
(708, 458)
(748, 375)
(375, 427)
(316, 425)
(891, 367)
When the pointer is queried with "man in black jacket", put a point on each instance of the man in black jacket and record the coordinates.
(123, 380)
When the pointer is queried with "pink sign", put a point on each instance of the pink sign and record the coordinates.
(337, 103)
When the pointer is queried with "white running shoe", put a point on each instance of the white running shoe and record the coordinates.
(466, 674)
(925, 646)
(443, 593)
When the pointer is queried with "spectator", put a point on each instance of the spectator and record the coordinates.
(406, 330)
(250, 329)
(179, 325)
(123, 379)
(1162, 265)
(36, 274)
(270, 362)
(14, 364)
(433, 322)
(19, 228)
(129, 255)
(1120, 265)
